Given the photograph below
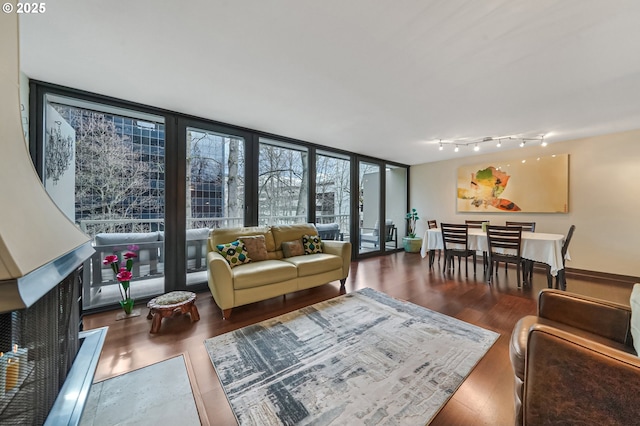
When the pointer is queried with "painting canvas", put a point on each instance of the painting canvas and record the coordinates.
(531, 185)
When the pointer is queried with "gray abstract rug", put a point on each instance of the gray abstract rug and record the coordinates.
(362, 358)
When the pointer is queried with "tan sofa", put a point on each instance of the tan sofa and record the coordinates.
(277, 275)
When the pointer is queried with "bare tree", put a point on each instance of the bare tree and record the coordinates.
(233, 178)
(112, 177)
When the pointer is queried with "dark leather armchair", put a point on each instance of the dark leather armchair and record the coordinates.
(574, 363)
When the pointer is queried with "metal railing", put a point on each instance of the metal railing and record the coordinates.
(125, 225)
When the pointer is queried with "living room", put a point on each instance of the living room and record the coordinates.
(381, 87)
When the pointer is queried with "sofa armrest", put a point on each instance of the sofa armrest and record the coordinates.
(220, 280)
(342, 249)
(607, 319)
(573, 380)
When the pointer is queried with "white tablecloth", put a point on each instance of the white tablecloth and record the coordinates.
(536, 246)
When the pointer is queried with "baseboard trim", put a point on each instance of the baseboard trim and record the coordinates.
(583, 273)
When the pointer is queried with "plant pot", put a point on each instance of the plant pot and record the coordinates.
(127, 306)
(412, 244)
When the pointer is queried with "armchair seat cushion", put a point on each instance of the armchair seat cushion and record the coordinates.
(312, 264)
(262, 273)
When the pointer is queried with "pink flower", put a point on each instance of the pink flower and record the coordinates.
(130, 255)
(133, 247)
(124, 275)
(110, 259)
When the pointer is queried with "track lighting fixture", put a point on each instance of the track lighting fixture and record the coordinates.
(476, 144)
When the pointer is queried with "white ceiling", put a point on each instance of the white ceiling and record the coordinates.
(385, 78)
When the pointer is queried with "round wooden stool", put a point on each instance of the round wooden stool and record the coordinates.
(167, 305)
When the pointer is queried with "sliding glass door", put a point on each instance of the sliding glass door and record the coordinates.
(396, 203)
(372, 236)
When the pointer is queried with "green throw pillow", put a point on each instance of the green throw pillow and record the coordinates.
(234, 252)
(312, 244)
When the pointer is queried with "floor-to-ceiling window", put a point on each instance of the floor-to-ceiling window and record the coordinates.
(333, 192)
(215, 192)
(104, 168)
(160, 181)
(283, 182)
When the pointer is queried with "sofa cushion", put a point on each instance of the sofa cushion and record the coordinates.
(313, 264)
(634, 301)
(282, 233)
(262, 273)
(312, 244)
(226, 235)
(256, 246)
(234, 253)
(292, 248)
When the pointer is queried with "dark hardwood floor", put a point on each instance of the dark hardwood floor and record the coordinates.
(485, 397)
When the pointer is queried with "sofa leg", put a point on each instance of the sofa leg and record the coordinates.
(226, 313)
(342, 283)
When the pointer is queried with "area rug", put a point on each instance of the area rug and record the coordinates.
(362, 358)
(155, 395)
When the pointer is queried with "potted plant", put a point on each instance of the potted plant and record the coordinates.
(411, 242)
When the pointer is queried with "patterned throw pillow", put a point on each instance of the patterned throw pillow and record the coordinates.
(292, 248)
(256, 247)
(312, 244)
(234, 252)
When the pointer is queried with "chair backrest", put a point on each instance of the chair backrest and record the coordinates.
(526, 226)
(504, 240)
(475, 223)
(455, 234)
(328, 231)
(432, 224)
(390, 232)
(567, 240)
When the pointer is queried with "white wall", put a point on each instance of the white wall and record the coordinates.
(604, 199)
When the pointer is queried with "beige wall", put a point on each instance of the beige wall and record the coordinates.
(604, 199)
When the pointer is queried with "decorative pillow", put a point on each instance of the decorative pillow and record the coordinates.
(312, 244)
(292, 248)
(256, 247)
(635, 317)
(234, 252)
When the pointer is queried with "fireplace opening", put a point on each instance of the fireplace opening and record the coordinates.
(39, 345)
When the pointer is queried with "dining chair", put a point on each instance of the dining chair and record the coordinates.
(505, 245)
(526, 226)
(433, 224)
(477, 224)
(526, 264)
(455, 239)
(561, 278)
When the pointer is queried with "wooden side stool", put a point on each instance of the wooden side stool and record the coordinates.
(169, 304)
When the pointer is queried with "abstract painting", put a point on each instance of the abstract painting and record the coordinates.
(530, 185)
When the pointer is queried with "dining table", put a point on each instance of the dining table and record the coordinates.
(536, 246)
